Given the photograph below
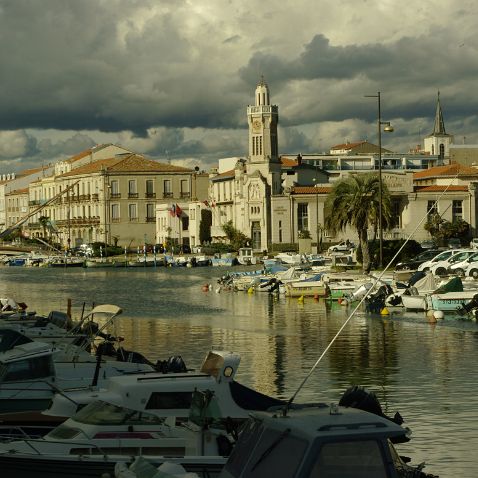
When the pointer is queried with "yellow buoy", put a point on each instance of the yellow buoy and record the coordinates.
(250, 290)
(300, 299)
(384, 311)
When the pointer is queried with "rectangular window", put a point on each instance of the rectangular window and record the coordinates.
(150, 216)
(132, 212)
(185, 188)
(132, 191)
(303, 217)
(348, 459)
(115, 213)
(150, 188)
(396, 214)
(168, 192)
(457, 210)
(170, 400)
(114, 189)
(432, 209)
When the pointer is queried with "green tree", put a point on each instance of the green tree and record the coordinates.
(236, 238)
(441, 230)
(355, 202)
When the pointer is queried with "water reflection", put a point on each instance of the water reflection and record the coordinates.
(425, 371)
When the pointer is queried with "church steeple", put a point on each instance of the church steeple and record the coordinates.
(438, 143)
(439, 127)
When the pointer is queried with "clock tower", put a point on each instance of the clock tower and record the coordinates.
(263, 118)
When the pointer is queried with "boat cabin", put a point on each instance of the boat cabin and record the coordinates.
(323, 441)
(245, 256)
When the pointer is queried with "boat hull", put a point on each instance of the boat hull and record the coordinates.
(94, 466)
(306, 290)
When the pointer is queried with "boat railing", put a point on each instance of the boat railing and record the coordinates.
(14, 432)
(86, 447)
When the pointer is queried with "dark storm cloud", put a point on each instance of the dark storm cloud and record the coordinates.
(410, 70)
(133, 67)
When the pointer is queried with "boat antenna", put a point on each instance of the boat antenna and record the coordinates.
(287, 406)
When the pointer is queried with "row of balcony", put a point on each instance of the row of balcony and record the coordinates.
(94, 197)
(133, 219)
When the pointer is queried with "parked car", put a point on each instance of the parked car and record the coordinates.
(454, 242)
(474, 243)
(413, 263)
(440, 268)
(425, 266)
(428, 244)
(344, 246)
(463, 268)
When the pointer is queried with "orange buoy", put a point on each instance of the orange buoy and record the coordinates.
(205, 288)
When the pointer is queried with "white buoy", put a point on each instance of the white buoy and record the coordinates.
(438, 314)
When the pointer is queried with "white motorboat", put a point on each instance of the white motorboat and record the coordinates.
(31, 371)
(144, 415)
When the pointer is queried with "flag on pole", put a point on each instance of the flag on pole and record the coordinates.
(179, 211)
(172, 210)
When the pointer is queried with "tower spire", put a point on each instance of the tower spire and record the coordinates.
(439, 127)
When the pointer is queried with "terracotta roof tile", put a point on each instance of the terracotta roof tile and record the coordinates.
(348, 145)
(438, 188)
(87, 152)
(311, 190)
(226, 174)
(288, 162)
(17, 191)
(445, 171)
(128, 163)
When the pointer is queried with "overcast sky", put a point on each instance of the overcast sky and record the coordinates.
(172, 78)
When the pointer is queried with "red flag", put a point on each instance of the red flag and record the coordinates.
(172, 210)
(206, 203)
(179, 211)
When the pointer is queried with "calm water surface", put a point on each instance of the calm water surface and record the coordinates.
(429, 373)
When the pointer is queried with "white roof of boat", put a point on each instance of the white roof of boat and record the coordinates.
(313, 422)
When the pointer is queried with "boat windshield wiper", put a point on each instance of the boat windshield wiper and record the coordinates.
(268, 450)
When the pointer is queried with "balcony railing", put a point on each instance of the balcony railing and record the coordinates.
(133, 219)
(185, 194)
(94, 197)
(167, 194)
(150, 195)
(150, 219)
(115, 219)
(115, 195)
(35, 202)
(132, 195)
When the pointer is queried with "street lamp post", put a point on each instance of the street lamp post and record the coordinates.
(316, 181)
(388, 129)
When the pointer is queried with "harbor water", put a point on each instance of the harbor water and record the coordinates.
(427, 372)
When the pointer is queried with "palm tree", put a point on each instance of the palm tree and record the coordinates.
(44, 223)
(354, 202)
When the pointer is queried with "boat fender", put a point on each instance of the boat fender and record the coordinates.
(438, 314)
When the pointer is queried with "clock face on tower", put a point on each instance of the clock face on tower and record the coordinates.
(256, 126)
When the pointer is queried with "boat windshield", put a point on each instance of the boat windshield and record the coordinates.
(103, 413)
(350, 459)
